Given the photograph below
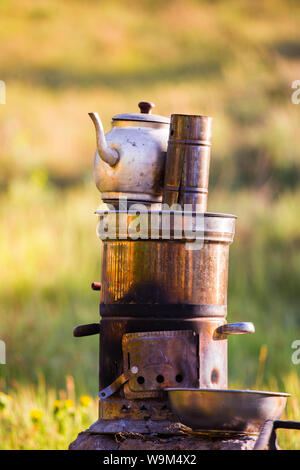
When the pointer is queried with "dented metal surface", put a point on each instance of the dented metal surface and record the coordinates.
(130, 158)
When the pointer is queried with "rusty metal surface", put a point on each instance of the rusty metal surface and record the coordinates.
(187, 162)
(150, 285)
(159, 359)
(179, 311)
(212, 351)
(113, 387)
(212, 355)
(239, 410)
(164, 273)
(121, 408)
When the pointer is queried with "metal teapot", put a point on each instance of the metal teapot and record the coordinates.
(130, 158)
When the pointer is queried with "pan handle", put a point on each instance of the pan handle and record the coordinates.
(241, 328)
(267, 436)
(86, 330)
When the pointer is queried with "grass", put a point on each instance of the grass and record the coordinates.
(50, 291)
(61, 60)
(33, 418)
(41, 418)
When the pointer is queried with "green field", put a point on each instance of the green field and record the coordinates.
(232, 60)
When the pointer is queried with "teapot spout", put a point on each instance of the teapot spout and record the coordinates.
(108, 154)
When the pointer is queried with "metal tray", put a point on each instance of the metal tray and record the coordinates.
(231, 410)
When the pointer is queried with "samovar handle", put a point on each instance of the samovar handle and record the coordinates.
(242, 328)
(86, 330)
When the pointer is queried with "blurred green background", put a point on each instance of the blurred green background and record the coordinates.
(232, 60)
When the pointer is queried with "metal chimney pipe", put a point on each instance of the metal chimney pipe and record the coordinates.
(187, 163)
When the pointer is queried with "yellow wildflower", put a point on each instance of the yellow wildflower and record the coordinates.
(68, 404)
(69, 407)
(36, 416)
(85, 400)
(57, 404)
(4, 400)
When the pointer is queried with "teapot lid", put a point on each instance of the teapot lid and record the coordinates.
(145, 114)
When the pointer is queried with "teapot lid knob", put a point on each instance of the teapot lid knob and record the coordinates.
(146, 107)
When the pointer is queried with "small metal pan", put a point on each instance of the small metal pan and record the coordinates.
(230, 410)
